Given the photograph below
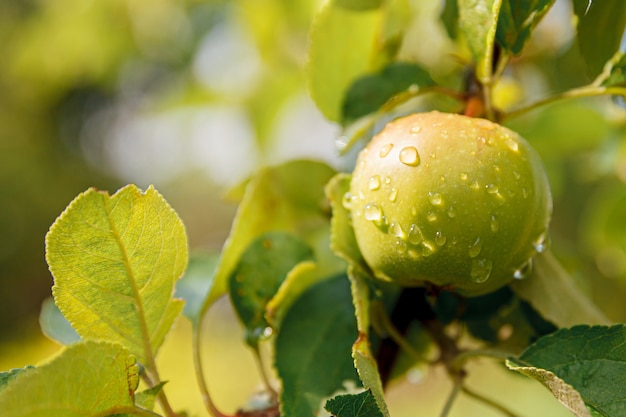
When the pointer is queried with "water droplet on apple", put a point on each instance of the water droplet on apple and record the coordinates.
(475, 248)
(384, 151)
(409, 156)
(372, 212)
(435, 198)
(374, 183)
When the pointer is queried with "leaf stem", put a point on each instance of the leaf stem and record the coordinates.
(199, 371)
(266, 381)
(456, 389)
(487, 401)
(585, 91)
(462, 358)
(393, 332)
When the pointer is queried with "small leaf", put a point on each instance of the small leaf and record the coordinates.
(341, 49)
(617, 72)
(196, 283)
(290, 198)
(115, 260)
(478, 23)
(353, 405)
(313, 347)
(367, 94)
(259, 274)
(517, 20)
(450, 18)
(590, 360)
(147, 398)
(555, 295)
(364, 360)
(600, 29)
(54, 325)
(6, 377)
(87, 379)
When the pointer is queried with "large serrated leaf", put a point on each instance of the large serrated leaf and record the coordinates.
(342, 47)
(478, 20)
(601, 26)
(353, 405)
(289, 198)
(516, 21)
(556, 296)
(87, 379)
(261, 270)
(589, 360)
(115, 260)
(313, 347)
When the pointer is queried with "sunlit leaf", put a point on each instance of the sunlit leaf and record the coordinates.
(589, 360)
(7, 376)
(556, 296)
(341, 49)
(313, 347)
(353, 405)
(364, 360)
(87, 379)
(261, 270)
(517, 20)
(196, 283)
(289, 198)
(54, 325)
(367, 94)
(478, 23)
(601, 26)
(115, 261)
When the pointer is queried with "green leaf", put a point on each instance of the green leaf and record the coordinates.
(358, 5)
(353, 405)
(115, 260)
(342, 240)
(478, 23)
(450, 18)
(261, 270)
(364, 360)
(601, 26)
(341, 49)
(367, 94)
(517, 20)
(313, 347)
(87, 379)
(590, 360)
(556, 296)
(196, 283)
(54, 325)
(6, 377)
(290, 198)
(617, 72)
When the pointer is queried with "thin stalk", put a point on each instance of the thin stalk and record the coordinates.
(199, 371)
(489, 402)
(456, 389)
(586, 91)
(395, 335)
(461, 359)
(266, 381)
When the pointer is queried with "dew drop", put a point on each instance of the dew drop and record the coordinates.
(474, 185)
(396, 230)
(268, 332)
(492, 189)
(415, 129)
(347, 201)
(413, 211)
(435, 198)
(393, 195)
(425, 248)
(541, 243)
(341, 143)
(372, 212)
(512, 144)
(415, 235)
(400, 246)
(481, 270)
(409, 156)
(475, 248)
(440, 238)
(517, 175)
(387, 180)
(451, 212)
(431, 217)
(384, 151)
(463, 176)
(524, 270)
(374, 183)
(494, 224)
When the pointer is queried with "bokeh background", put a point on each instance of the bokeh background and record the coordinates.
(193, 95)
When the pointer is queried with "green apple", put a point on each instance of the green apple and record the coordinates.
(459, 202)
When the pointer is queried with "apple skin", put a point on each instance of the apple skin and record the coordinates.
(458, 202)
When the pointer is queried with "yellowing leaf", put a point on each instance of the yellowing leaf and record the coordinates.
(87, 379)
(115, 260)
